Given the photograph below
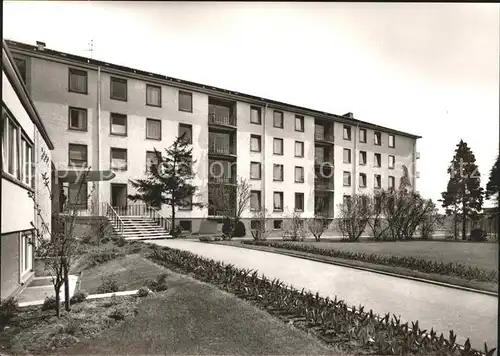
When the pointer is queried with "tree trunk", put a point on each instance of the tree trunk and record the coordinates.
(172, 228)
(464, 221)
(58, 300)
(66, 289)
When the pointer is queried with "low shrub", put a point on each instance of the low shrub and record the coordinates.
(87, 239)
(158, 285)
(176, 232)
(108, 285)
(120, 241)
(49, 303)
(78, 297)
(227, 227)
(8, 309)
(209, 238)
(116, 314)
(478, 235)
(143, 292)
(239, 229)
(98, 257)
(340, 324)
(455, 269)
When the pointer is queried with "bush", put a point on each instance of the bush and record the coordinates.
(478, 235)
(108, 285)
(120, 241)
(86, 239)
(209, 238)
(143, 292)
(158, 285)
(239, 230)
(176, 232)
(78, 297)
(116, 314)
(227, 227)
(102, 256)
(8, 308)
(49, 303)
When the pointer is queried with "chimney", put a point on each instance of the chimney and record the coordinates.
(41, 45)
(349, 115)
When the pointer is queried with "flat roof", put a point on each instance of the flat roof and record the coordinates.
(202, 87)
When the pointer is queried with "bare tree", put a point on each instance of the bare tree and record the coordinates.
(354, 214)
(57, 245)
(430, 221)
(377, 224)
(323, 218)
(229, 201)
(260, 230)
(295, 228)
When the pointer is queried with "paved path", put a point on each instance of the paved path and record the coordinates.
(468, 314)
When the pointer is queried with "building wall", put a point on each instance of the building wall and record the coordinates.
(42, 194)
(9, 257)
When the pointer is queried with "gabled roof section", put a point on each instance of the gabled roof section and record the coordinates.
(170, 81)
(12, 73)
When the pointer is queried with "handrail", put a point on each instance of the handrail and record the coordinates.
(114, 217)
(158, 217)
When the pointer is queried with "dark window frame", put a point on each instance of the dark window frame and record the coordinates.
(282, 146)
(181, 124)
(350, 155)
(295, 202)
(23, 74)
(259, 137)
(393, 141)
(389, 178)
(86, 154)
(182, 92)
(282, 119)
(156, 87)
(188, 207)
(349, 132)
(375, 155)
(280, 224)
(295, 174)
(70, 108)
(302, 120)
(282, 196)
(365, 158)
(364, 140)
(111, 159)
(114, 115)
(75, 71)
(148, 152)
(377, 178)
(389, 162)
(282, 172)
(259, 195)
(146, 129)
(79, 205)
(360, 180)
(295, 151)
(260, 170)
(350, 179)
(258, 109)
(379, 135)
(118, 80)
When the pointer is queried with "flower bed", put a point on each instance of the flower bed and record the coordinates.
(331, 320)
(453, 269)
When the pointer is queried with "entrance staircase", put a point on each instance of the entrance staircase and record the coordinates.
(138, 222)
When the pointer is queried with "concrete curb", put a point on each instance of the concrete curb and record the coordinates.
(428, 281)
(90, 297)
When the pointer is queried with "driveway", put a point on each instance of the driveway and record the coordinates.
(468, 314)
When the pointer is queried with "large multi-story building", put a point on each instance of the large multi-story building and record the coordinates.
(112, 117)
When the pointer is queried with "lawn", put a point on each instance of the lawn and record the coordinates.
(482, 255)
(195, 318)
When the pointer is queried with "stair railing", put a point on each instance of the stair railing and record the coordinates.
(161, 220)
(114, 217)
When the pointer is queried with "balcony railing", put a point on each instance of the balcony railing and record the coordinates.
(323, 136)
(221, 212)
(324, 213)
(224, 120)
(323, 161)
(223, 180)
(323, 183)
(221, 148)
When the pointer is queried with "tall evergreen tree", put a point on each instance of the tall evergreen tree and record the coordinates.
(493, 186)
(464, 194)
(167, 181)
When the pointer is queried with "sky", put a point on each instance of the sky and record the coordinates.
(427, 69)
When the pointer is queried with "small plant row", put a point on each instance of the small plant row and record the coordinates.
(451, 269)
(331, 320)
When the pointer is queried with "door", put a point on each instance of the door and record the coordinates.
(119, 198)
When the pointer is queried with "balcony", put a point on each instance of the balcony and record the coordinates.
(328, 213)
(323, 183)
(326, 137)
(222, 120)
(221, 149)
(324, 161)
(221, 180)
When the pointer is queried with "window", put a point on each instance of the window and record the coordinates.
(153, 129)
(347, 155)
(378, 160)
(378, 138)
(254, 170)
(362, 180)
(185, 225)
(278, 146)
(118, 89)
(391, 182)
(347, 179)
(392, 162)
(299, 123)
(26, 251)
(278, 201)
(255, 200)
(118, 124)
(255, 115)
(299, 174)
(77, 155)
(10, 146)
(392, 141)
(378, 205)
(21, 67)
(299, 149)
(347, 132)
(26, 167)
(77, 81)
(185, 101)
(150, 160)
(278, 119)
(77, 195)
(78, 119)
(186, 203)
(255, 224)
(255, 143)
(187, 131)
(278, 172)
(362, 157)
(299, 201)
(277, 224)
(153, 95)
(119, 159)
(362, 135)
(378, 181)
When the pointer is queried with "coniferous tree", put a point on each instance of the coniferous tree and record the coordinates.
(168, 180)
(493, 186)
(464, 194)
